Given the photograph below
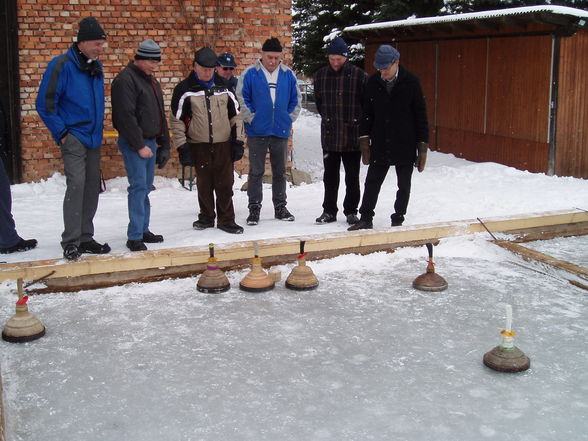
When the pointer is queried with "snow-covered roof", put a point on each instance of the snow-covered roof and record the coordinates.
(545, 14)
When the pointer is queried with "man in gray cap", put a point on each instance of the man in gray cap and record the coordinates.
(139, 117)
(338, 92)
(71, 104)
(393, 132)
(226, 68)
(205, 119)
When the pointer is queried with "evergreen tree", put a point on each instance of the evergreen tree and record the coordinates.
(463, 6)
(317, 22)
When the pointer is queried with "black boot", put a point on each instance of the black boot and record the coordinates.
(231, 227)
(21, 245)
(71, 252)
(396, 220)
(202, 224)
(253, 218)
(361, 225)
(136, 245)
(93, 247)
(282, 213)
(352, 219)
(149, 237)
(326, 218)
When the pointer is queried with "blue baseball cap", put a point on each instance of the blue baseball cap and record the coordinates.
(226, 59)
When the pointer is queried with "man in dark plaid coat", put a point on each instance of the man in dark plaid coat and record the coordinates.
(338, 90)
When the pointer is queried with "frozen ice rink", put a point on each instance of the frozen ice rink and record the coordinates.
(363, 357)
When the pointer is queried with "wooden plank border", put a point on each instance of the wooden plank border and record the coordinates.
(115, 269)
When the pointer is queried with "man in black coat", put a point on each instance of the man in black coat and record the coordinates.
(393, 132)
(339, 90)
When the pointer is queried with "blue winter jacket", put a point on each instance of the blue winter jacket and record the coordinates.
(71, 99)
(261, 116)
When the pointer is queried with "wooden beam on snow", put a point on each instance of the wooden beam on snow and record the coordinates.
(533, 255)
(115, 269)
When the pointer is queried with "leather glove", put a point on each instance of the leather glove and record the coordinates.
(421, 159)
(364, 147)
(161, 157)
(185, 154)
(237, 150)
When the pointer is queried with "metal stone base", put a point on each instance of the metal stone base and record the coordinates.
(430, 282)
(507, 360)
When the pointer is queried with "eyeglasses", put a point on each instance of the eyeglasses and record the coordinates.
(228, 68)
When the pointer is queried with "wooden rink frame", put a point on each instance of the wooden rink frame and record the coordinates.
(97, 271)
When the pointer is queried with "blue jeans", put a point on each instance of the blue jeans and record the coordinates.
(140, 173)
(258, 147)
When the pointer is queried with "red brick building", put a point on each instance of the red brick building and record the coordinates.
(35, 31)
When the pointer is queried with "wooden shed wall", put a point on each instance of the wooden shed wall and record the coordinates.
(487, 98)
(421, 57)
(571, 156)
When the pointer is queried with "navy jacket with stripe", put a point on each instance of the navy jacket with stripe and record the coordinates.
(71, 99)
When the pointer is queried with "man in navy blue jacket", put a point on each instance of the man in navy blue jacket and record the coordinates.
(10, 241)
(71, 104)
(270, 102)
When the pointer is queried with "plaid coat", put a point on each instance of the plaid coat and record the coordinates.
(339, 99)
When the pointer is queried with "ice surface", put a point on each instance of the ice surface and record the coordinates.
(363, 357)
(571, 249)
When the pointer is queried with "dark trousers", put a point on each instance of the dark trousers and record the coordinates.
(373, 182)
(351, 164)
(258, 148)
(214, 176)
(8, 234)
(82, 172)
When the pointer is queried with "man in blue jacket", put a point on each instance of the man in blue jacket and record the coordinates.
(71, 104)
(270, 102)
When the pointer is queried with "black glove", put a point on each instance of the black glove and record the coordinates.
(161, 157)
(421, 158)
(237, 150)
(185, 153)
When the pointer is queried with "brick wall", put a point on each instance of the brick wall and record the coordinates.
(47, 29)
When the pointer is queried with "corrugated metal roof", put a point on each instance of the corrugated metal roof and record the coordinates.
(544, 14)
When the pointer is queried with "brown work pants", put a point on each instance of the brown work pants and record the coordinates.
(214, 175)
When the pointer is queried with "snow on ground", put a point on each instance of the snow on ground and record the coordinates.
(363, 357)
(449, 189)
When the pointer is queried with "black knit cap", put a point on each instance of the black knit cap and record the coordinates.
(90, 30)
(205, 57)
(272, 45)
